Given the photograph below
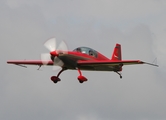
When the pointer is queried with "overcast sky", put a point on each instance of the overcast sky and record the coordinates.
(139, 26)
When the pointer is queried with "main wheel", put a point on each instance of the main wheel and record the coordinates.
(55, 79)
(82, 79)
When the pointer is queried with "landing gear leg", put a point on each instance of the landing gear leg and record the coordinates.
(120, 74)
(80, 77)
(56, 79)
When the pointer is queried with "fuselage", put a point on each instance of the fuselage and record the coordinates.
(82, 54)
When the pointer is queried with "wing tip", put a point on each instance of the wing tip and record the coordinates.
(156, 65)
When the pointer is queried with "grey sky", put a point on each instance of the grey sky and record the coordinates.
(139, 26)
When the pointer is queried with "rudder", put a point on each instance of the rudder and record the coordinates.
(116, 55)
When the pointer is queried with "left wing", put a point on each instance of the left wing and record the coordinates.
(28, 62)
(111, 62)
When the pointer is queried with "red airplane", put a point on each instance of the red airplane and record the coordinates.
(81, 58)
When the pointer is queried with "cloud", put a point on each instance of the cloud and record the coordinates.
(29, 94)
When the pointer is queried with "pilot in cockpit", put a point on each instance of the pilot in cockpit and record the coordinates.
(78, 49)
(91, 53)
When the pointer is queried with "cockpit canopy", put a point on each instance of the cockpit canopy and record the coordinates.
(87, 51)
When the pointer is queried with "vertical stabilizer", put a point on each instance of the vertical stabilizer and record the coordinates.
(116, 55)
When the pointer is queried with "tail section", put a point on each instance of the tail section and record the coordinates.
(117, 53)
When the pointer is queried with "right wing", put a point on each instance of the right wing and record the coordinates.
(111, 62)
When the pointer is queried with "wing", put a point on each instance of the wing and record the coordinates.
(111, 62)
(28, 62)
(107, 65)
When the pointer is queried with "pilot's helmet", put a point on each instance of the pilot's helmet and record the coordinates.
(91, 52)
(78, 49)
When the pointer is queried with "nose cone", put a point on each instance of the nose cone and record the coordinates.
(54, 53)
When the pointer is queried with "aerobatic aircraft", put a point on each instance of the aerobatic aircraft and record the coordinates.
(81, 58)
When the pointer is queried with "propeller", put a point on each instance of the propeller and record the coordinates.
(54, 53)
